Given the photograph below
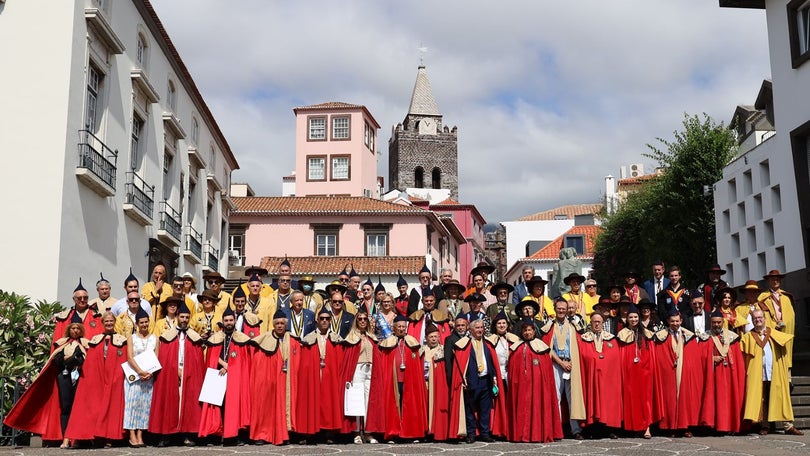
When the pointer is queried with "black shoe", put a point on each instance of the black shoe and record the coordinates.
(486, 438)
(470, 439)
(161, 444)
(189, 443)
(260, 442)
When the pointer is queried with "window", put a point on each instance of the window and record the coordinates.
(141, 51)
(317, 129)
(171, 97)
(167, 171)
(371, 137)
(419, 177)
(799, 31)
(436, 178)
(577, 242)
(341, 169)
(95, 79)
(212, 158)
(365, 134)
(340, 128)
(195, 131)
(316, 168)
(137, 135)
(376, 244)
(326, 239)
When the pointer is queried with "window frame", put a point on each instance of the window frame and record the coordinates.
(136, 138)
(171, 96)
(97, 93)
(572, 237)
(326, 230)
(309, 174)
(195, 131)
(332, 159)
(141, 51)
(333, 129)
(376, 229)
(794, 8)
(309, 128)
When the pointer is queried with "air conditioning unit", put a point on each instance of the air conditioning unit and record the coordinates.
(636, 170)
(233, 253)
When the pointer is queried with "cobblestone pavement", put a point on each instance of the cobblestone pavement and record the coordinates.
(700, 446)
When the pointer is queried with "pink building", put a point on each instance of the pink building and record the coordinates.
(321, 234)
(471, 224)
(335, 150)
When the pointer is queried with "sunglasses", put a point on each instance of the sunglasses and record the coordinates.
(284, 280)
(362, 319)
(133, 299)
(213, 281)
(80, 298)
(177, 285)
(339, 301)
(590, 286)
(324, 318)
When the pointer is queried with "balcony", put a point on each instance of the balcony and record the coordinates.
(97, 164)
(141, 82)
(97, 21)
(195, 156)
(235, 258)
(170, 229)
(172, 123)
(193, 248)
(214, 182)
(139, 203)
(212, 257)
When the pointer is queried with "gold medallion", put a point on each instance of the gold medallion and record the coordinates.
(536, 362)
(131, 378)
(610, 344)
(120, 352)
(92, 324)
(233, 354)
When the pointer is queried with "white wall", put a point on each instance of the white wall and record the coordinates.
(518, 233)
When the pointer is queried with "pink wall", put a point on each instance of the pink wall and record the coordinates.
(363, 174)
(463, 218)
(294, 237)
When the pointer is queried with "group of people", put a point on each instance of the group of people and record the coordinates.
(445, 361)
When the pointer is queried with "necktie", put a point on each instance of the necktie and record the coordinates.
(479, 355)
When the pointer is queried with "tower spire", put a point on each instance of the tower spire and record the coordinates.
(422, 101)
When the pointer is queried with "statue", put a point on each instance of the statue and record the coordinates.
(568, 263)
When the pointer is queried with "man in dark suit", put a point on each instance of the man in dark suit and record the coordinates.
(657, 283)
(520, 289)
(300, 321)
(479, 379)
(459, 330)
(696, 319)
(604, 308)
(675, 295)
(425, 279)
(341, 320)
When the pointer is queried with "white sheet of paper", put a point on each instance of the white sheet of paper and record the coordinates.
(355, 400)
(146, 361)
(213, 387)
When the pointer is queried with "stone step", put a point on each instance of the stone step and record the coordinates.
(800, 390)
(801, 381)
(799, 400)
(801, 411)
(801, 423)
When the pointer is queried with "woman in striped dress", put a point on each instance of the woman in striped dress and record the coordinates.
(138, 390)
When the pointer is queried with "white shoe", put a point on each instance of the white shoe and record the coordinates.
(358, 440)
(372, 440)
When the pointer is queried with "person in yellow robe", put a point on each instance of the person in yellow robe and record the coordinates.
(780, 305)
(750, 301)
(536, 287)
(767, 381)
(215, 281)
(208, 316)
(125, 322)
(266, 289)
(156, 290)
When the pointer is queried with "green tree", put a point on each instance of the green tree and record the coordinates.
(670, 217)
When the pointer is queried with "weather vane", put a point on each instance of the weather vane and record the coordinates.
(422, 50)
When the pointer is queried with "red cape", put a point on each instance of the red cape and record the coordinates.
(725, 389)
(237, 396)
(384, 415)
(348, 363)
(319, 388)
(601, 381)
(38, 410)
(637, 392)
(677, 408)
(441, 402)
(92, 324)
(415, 328)
(268, 389)
(534, 412)
(100, 392)
(499, 419)
(170, 413)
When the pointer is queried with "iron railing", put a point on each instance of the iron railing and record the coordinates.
(170, 220)
(140, 194)
(97, 158)
(10, 392)
(213, 257)
(194, 241)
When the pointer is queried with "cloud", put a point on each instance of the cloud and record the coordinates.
(549, 97)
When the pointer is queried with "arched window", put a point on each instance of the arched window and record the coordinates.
(436, 178)
(141, 51)
(171, 97)
(419, 177)
(195, 131)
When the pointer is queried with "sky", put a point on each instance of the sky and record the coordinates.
(549, 96)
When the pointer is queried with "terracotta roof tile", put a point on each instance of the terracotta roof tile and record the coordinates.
(332, 105)
(333, 265)
(637, 180)
(570, 211)
(448, 202)
(551, 251)
(297, 205)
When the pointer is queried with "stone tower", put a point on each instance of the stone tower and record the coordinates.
(422, 152)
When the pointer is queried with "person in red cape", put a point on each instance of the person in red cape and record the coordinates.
(397, 403)
(84, 314)
(438, 394)
(637, 362)
(533, 411)
(500, 340)
(100, 389)
(476, 386)
(319, 392)
(228, 352)
(355, 372)
(725, 379)
(600, 358)
(175, 398)
(429, 313)
(273, 363)
(45, 407)
(247, 321)
(678, 377)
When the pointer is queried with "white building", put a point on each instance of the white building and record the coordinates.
(111, 157)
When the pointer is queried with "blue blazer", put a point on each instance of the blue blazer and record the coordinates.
(649, 287)
(519, 293)
(346, 321)
(309, 320)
